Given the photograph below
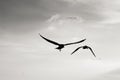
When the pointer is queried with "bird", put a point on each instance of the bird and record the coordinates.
(61, 46)
(84, 47)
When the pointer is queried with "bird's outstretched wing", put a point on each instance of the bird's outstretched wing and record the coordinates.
(75, 50)
(75, 42)
(92, 51)
(53, 42)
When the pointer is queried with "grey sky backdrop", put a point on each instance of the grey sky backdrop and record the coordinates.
(26, 56)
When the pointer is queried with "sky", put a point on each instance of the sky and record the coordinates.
(24, 55)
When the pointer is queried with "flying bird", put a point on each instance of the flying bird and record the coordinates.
(84, 47)
(60, 46)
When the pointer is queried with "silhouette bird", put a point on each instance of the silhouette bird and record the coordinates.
(60, 46)
(84, 47)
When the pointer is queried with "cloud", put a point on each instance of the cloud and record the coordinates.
(111, 17)
(74, 2)
(27, 15)
(110, 12)
(63, 18)
(54, 18)
(64, 26)
(62, 21)
(28, 10)
(107, 11)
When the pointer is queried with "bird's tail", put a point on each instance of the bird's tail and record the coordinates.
(58, 49)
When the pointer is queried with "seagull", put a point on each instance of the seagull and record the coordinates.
(60, 46)
(84, 47)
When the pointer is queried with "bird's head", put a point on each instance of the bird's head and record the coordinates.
(85, 47)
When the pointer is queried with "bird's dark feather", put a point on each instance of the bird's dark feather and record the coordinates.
(75, 42)
(53, 42)
(75, 50)
(92, 51)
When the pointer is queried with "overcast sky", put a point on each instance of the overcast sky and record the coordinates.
(64, 21)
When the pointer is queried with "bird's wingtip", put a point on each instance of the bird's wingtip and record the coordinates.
(95, 56)
(40, 34)
(84, 39)
(71, 53)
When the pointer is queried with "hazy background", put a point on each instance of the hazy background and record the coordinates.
(24, 55)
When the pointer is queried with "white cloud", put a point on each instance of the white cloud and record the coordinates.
(66, 26)
(76, 1)
(108, 10)
(54, 18)
(61, 19)
(60, 23)
(72, 1)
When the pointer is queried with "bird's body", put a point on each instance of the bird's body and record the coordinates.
(84, 47)
(61, 46)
